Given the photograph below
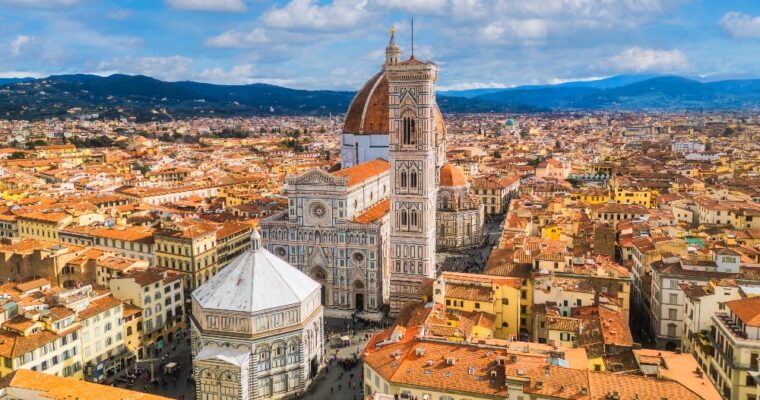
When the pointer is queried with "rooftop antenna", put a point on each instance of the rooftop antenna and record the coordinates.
(412, 36)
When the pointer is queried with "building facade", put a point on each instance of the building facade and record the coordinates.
(267, 342)
(335, 231)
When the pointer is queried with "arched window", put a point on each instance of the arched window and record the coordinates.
(403, 217)
(413, 179)
(414, 217)
(403, 179)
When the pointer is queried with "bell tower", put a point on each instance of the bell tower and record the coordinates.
(412, 155)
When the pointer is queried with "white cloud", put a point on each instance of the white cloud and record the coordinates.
(308, 15)
(637, 59)
(208, 5)
(169, 68)
(39, 3)
(415, 6)
(527, 30)
(740, 25)
(16, 46)
(21, 74)
(238, 74)
(237, 39)
(119, 15)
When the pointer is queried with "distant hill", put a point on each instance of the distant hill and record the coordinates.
(605, 83)
(668, 93)
(151, 99)
(10, 81)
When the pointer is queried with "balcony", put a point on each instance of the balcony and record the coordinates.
(730, 326)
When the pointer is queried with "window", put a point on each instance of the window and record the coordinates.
(408, 130)
(403, 179)
(673, 298)
(505, 301)
(403, 217)
(672, 313)
(671, 329)
(413, 179)
(414, 217)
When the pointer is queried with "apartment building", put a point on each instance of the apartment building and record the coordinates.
(409, 368)
(188, 247)
(159, 294)
(735, 338)
(27, 344)
(42, 225)
(701, 302)
(103, 349)
(494, 295)
(129, 241)
(495, 193)
(667, 297)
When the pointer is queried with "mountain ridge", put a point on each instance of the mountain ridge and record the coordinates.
(147, 98)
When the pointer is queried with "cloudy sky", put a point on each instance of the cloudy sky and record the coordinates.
(338, 44)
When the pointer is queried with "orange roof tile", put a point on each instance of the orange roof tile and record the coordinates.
(361, 172)
(748, 310)
(374, 213)
(451, 175)
(58, 388)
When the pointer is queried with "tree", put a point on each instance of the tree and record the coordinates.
(17, 155)
(728, 131)
(293, 144)
(496, 154)
(33, 145)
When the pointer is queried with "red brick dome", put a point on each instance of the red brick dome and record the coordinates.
(452, 176)
(369, 112)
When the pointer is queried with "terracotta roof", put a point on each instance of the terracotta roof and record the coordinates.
(54, 217)
(632, 386)
(748, 310)
(12, 345)
(33, 284)
(58, 388)
(401, 364)
(451, 175)
(469, 292)
(374, 213)
(361, 172)
(99, 306)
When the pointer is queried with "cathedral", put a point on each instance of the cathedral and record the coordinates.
(369, 231)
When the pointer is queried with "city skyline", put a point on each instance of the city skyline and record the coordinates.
(336, 44)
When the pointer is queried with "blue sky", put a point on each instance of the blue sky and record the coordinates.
(339, 44)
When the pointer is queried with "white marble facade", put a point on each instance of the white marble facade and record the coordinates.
(256, 329)
(321, 234)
